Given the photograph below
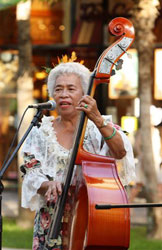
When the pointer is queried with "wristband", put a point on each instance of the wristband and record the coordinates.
(109, 137)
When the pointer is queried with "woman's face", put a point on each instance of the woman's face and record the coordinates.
(67, 93)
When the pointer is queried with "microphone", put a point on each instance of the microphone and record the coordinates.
(50, 105)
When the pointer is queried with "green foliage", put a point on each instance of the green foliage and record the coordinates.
(139, 240)
(4, 4)
(47, 70)
(15, 237)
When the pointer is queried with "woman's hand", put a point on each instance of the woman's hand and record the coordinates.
(89, 106)
(50, 190)
(115, 144)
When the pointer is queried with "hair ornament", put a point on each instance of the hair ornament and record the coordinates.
(64, 59)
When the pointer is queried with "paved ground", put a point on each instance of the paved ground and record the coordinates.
(10, 203)
(10, 207)
(138, 215)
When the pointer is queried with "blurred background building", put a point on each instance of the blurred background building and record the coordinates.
(60, 28)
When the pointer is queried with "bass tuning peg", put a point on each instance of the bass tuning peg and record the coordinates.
(118, 65)
(113, 72)
(128, 54)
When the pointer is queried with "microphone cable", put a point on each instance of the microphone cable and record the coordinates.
(14, 139)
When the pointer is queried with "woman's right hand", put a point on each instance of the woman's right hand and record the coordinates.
(50, 190)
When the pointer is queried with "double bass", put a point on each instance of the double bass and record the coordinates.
(97, 180)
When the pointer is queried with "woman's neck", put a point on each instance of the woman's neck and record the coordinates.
(68, 124)
(65, 130)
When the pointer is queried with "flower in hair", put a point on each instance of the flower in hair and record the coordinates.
(64, 59)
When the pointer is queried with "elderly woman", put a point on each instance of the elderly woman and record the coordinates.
(47, 148)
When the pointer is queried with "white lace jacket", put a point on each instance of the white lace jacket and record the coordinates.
(42, 143)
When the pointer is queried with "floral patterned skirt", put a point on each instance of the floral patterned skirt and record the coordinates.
(41, 226)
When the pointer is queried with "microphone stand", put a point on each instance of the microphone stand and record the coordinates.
(34, 122)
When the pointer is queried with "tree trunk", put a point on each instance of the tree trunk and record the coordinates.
(24, 87)
(144, 16)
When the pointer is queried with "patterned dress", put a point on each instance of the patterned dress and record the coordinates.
(45, 159)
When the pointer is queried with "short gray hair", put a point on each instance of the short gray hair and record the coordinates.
(68, 68)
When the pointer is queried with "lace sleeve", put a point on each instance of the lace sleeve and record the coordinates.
(94, 143)
(32, 180)
(33, 156)
(35, 144)
(127, 164)
(93, 140)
